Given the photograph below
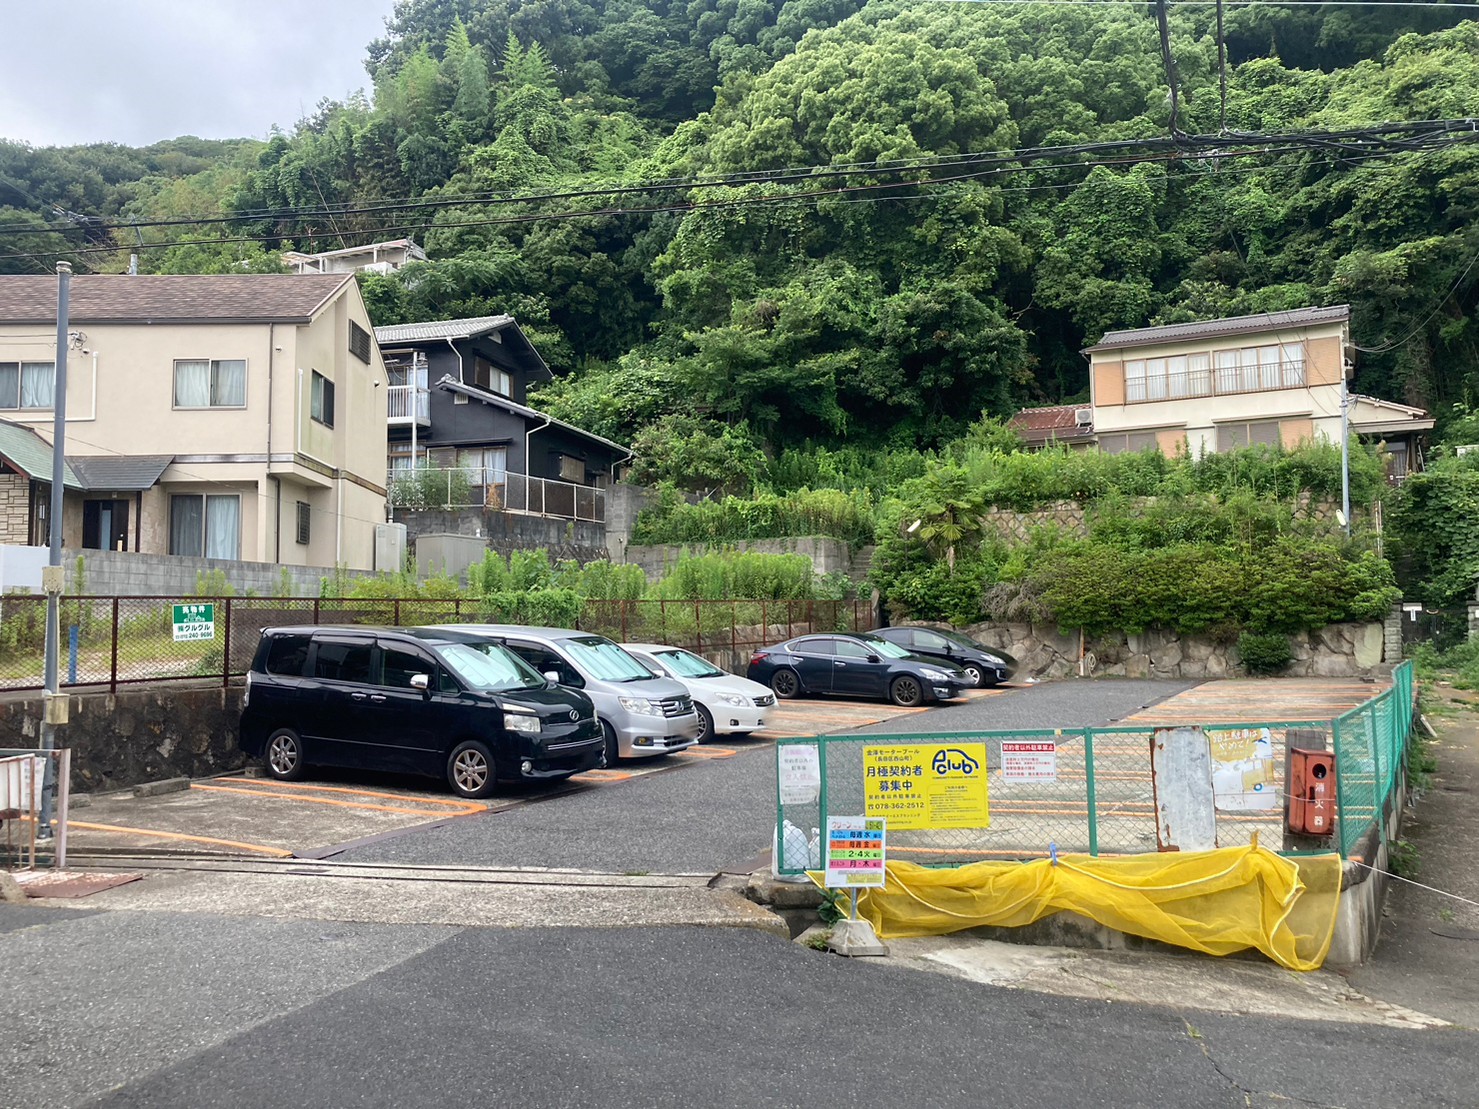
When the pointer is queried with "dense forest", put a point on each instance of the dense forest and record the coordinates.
(696, 209)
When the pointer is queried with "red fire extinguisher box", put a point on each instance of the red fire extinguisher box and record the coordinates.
(1311, 810)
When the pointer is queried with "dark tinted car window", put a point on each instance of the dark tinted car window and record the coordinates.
(343, 662)
(545, 661)
(929, 639)
(286, 655)
(401, 666)
(813, 647)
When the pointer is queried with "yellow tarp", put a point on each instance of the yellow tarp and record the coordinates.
(1217, 902)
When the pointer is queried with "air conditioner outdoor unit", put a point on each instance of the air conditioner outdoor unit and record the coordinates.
(1083, 417)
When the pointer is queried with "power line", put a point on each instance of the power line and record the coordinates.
(1170, 156)
(1387, 133)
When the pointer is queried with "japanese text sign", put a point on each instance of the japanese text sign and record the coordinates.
(855, 851)
(930, 785)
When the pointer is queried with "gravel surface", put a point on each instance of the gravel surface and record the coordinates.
(701, 817)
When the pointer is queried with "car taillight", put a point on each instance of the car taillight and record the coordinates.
(757, 656)
(246, 697)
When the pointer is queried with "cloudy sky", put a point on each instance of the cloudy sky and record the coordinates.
(137, 71)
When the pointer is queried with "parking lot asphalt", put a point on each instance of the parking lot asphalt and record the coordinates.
(178, 1009)
(715, 810)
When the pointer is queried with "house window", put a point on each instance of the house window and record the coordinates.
(26, 384)
(398, 459)
(1232, 436)
(1126, 441)
(359, 342)
(1248, 370)
(487, 376)
(201, 524)
(203, 383)
(305, 515)
(487, 473)
(322, 402)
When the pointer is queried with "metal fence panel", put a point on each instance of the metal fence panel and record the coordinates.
(1100, 799)
(116, 641)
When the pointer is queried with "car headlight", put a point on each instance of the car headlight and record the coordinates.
(734, 699)
(520, 720)
(992, 660)
(935, 675)
(640, 706)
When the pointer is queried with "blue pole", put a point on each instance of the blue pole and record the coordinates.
(72, 655)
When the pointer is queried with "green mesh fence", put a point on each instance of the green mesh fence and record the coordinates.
(1100, 796)
(1370, 744)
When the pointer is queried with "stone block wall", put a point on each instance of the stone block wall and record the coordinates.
(15, 509)
(131, 574)
(1043, 652)
(137, 735)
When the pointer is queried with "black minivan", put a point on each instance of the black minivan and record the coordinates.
(415, 700)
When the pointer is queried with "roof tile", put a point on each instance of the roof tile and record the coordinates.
(172, 298)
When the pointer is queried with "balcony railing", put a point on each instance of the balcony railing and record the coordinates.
(480, 487)
(399, 402)
(1215, 381)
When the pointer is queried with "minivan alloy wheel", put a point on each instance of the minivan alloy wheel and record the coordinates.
(284, 755)
(470, 770)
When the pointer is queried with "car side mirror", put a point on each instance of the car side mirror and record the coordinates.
(872, 658)
(421, 682)
(552, 676)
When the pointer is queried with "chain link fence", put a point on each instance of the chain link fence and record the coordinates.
(1371, 747)
(113, 641)
(1094, 792)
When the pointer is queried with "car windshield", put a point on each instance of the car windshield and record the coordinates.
(686, 664)
(880, 646)
(603, 659)
(489, 667)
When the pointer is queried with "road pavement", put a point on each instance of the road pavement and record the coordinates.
(160, 1010)
(706, 816)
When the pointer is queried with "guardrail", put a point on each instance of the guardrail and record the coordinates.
(119, 641)
(450, 487)
(1089, 790)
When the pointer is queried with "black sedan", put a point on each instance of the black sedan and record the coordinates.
(986, 665)
(855, 665)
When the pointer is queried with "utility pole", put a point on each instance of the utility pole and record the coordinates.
(1345, 447)
(52, 578)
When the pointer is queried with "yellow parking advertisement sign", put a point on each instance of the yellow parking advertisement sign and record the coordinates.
(930, 785)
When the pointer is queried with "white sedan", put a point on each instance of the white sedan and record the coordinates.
(726, 704)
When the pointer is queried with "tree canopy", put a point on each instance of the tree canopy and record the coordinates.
(790, 288)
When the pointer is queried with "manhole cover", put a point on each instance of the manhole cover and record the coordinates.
(1454, 932)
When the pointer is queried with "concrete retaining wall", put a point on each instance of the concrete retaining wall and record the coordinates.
(581, 540)
(137, 735)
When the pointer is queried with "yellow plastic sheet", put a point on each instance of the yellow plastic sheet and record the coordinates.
(1217, 902)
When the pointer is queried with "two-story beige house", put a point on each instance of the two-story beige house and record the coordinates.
(1269, 378)
(238, 416)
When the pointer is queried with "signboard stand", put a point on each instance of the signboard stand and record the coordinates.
(855, 858)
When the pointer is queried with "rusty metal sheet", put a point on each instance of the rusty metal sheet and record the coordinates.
(1181, 774)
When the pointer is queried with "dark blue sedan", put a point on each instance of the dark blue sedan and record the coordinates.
(855, 665)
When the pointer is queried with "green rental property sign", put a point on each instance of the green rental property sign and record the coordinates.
(194, 621)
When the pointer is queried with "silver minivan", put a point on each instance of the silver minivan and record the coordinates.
(640, 715)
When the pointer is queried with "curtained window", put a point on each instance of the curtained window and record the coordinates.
(200, 383)
(208, 525)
